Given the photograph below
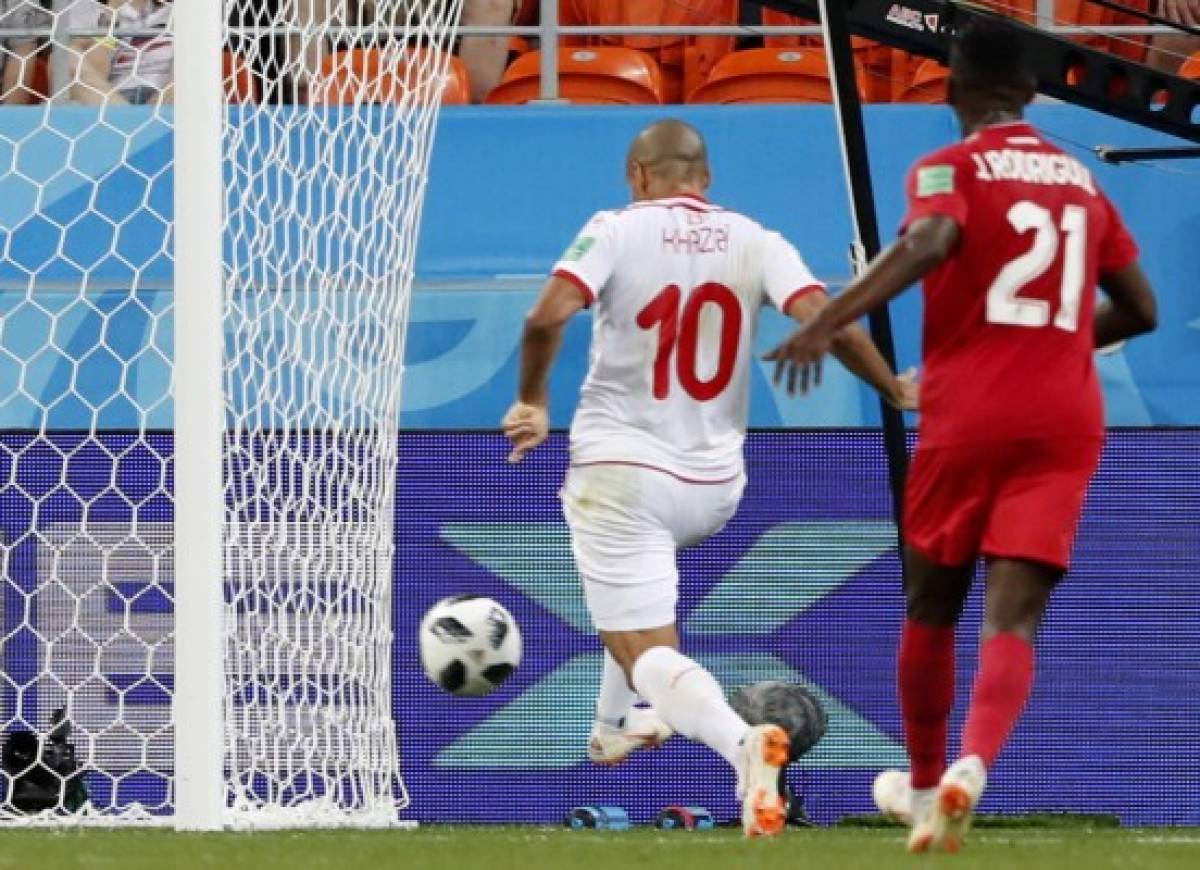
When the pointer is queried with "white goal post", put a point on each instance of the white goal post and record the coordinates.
(204, 290)
(199, 419)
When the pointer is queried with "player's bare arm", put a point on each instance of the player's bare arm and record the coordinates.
(926, 244)
(527, 422)
(1130, 308)
(854, 349)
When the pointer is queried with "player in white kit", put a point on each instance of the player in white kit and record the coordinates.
(656, 444)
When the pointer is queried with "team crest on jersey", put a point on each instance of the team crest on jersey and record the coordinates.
(579, 247)
(932, 180)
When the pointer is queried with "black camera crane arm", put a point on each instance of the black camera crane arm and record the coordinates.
(1066, 70)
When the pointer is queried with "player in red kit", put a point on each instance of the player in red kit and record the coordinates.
(1012, 236)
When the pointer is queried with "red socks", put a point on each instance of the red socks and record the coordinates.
(926, 679)
(926, 682)
(1002, 686)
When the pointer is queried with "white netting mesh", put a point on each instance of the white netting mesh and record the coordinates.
(326, 147)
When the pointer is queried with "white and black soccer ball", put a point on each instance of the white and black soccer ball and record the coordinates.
(469, 644)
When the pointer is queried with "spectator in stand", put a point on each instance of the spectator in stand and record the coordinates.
(485, 57)
(321, 19)
(18, 54)
(1169, 52)
(128, 65)
(1165, 52)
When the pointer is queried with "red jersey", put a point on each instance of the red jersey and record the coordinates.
(1008, 341)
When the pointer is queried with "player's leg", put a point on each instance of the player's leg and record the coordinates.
(683, 692)
(944, 515)
(1017, 594)
(616, 698)
(621, 728)
(1028, 540)
(693, 513)
(626, 524)
(925, 679)
(627, 563)
(690, 700)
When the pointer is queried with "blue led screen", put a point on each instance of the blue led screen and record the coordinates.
(802, 585)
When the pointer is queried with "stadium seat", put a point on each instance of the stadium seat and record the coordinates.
(1086, 13)
(1191, 67)
(684, 61)
(875, 61)
(240, 86)
(519, 45)
(364, 75)
(928, 84)
(770, 75)
(601, 74)
(1089, 14)
(775, 18)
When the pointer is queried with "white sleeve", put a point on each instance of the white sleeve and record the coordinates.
(590, 260)
(786, 277)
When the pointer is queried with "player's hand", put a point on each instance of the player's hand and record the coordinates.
(526, 426)
(906, 392)
(799, 358)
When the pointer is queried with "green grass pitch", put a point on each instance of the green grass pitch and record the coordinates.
(531, 848)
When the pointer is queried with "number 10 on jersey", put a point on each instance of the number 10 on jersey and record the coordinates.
(679, 336)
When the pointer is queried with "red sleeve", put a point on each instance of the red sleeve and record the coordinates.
(585, 289)
(1118, 250)
(936, 185)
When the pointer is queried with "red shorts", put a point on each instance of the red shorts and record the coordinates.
(1015, 499)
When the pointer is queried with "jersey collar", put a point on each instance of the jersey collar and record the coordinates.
(690, 200)
(1021, 126)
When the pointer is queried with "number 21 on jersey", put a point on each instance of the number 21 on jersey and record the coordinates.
(679, 335)
(1005, 304)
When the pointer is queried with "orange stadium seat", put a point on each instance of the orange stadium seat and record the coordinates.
(770, 75)
(875, 61)
(685, 61)
(519, 45)
(1089, 14)
(1086, 14)
(928, 84)
(1191, 67)
(240, 86)
(600, 74)
(365, 75)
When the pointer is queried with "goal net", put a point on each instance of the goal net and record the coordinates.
(323, 159)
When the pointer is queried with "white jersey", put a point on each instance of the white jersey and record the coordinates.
(677, 285)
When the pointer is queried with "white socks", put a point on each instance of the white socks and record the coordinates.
(616, 699)
(690, 700)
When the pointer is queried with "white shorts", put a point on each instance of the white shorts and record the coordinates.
(627, 522)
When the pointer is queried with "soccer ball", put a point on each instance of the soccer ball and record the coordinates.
(469, 644)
